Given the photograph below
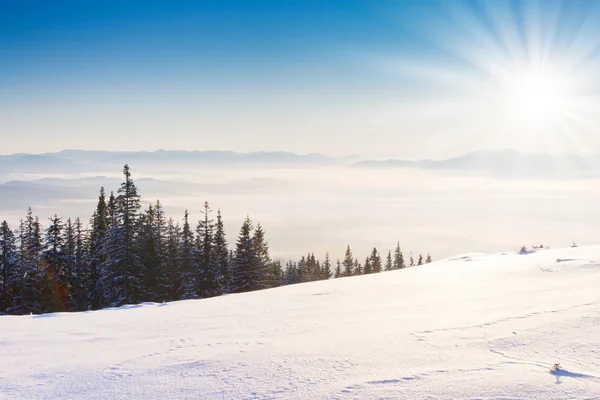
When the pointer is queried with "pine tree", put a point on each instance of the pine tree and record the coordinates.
(56, 287)
(420, 262)
(33, 281)
(81, 269)
(69, 259)
(428, 259)
(245, 263)
(221, 254)
(357, 267)
(412, 261)
(388, 262)
(398, 258)
(208, 269)
(368, 268)
(348, 263)
(375, 261)
(149, 258)
(338, 270)
(326, 268)
(189, 278)
(8, 264)
(264, 269)
(97, 252)
(173, 261)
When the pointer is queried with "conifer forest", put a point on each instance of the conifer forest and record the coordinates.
(127, 254)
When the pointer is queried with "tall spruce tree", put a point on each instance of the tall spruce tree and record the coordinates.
(326, 268)
(338, 270)
(398, 258)
(221, 254)
(8, 264)
(348, 263)
(245, 263)
(368, 269)
(189, 277)
(388, 262)
(375, 261)
(97, 252)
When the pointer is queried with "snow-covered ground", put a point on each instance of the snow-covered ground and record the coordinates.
(476, 327)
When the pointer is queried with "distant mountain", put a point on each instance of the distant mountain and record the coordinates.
(504, 164)
(83, 161)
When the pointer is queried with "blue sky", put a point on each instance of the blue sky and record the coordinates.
(379, 78)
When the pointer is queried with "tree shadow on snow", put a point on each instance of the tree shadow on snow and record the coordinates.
(568, 374)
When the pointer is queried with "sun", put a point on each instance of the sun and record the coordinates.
(537, 98)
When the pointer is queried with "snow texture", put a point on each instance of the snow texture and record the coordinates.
(470, 327)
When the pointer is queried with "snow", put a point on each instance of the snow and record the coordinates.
(475, 327)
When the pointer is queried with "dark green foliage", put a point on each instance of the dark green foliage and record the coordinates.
(131, 256)
(348, 263)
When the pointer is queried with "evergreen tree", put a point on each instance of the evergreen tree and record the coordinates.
(8, 264)
(97, 252)
(375, 261)
(189, 277)
(420, 262)
(173, 261)
(245, 263)
(338, 270)
(428, 259)
(388, 262)
(357, 268)
(398, 258)
(264, 273)
(56, 287)
(221, 255)
(209, 269)
(412, 261)
(81, 270)
(368, 268)
(326, 268)
(348, 263)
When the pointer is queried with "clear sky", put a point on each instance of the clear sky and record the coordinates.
(376, 78)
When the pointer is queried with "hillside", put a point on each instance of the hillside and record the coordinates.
(476, 326)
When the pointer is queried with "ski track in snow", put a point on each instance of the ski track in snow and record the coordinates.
(470, 327)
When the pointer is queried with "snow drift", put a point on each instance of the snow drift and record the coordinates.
(476, 326)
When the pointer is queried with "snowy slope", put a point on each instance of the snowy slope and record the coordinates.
(485, 327)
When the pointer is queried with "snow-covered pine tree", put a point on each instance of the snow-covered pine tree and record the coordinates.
(338, 270)
(69, 250)
(357, 267)
(97, 252)
(412, 260)
(33, 279)
(221, 255)
(398, 258)
(188, 278)
(420, 262)
(325, 268)
(148, 251)
(388, 262)
(56, 286)
(348, 263)
(208, 269)
(81, 268)
(428, 259)
(8, 264)
(264, 273)
(375, 261)
(173, 261)
(367, 269)
(245, 262)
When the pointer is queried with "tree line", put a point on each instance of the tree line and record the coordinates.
(129, 255)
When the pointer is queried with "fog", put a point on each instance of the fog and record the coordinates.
(324, 209)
